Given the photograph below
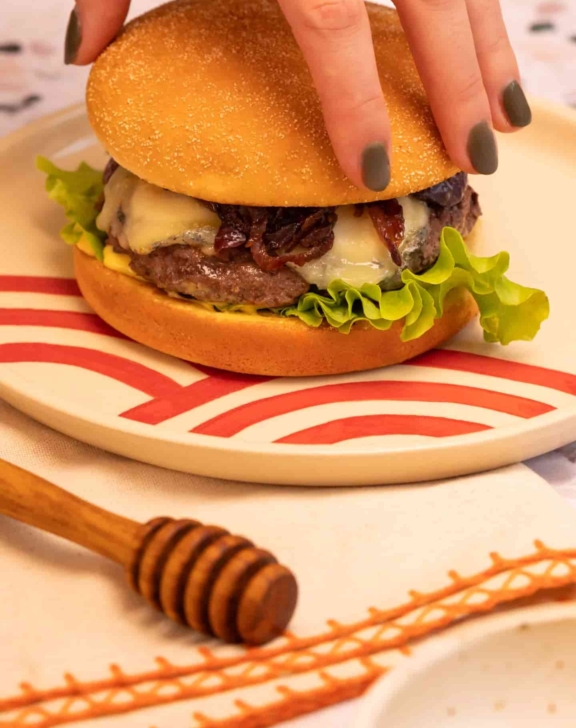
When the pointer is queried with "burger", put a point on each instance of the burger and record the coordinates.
(223, 231)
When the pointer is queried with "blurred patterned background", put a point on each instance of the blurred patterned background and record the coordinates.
(34, 81)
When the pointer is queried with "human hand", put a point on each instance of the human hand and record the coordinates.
(460, 47)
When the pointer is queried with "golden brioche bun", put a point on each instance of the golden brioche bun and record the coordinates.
(213, 99)
(253, 344)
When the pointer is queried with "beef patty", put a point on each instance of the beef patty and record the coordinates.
(186, 269)
(233, 274)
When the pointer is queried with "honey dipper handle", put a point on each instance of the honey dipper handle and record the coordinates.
(35, 501)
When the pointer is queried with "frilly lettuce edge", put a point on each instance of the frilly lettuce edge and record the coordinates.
(508, 311)
(77, 192)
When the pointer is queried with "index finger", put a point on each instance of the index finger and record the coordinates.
(92, 25)
(336, 40)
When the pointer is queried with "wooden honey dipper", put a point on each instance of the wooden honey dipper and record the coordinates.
(200, 576)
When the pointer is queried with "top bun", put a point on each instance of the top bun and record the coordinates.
(213, 99)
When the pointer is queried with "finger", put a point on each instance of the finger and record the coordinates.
(92, 25)
(336, 40)
(510, 109)
(441, 41)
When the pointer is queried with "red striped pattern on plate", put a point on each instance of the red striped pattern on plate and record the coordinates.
(118, 368)
(72, 320)
(39, 284)
(503, 368)
(235, 420)
(227, 405)
(351, 428)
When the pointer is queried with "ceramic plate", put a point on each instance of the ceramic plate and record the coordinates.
(465, 408)
(510, 670)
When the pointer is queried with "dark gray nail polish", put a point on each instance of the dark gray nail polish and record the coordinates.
(482, 148)
(375, 166)
(73, 38)
(515, 105)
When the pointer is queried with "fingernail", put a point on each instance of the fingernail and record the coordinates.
(515, 105)
(73, 38)
(375, 167)
(482, 149)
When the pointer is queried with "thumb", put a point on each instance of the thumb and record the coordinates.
(92, 25)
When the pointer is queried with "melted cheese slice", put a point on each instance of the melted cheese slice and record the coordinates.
(119, 262)
(153, 214)
(358, 255)
(416, 217)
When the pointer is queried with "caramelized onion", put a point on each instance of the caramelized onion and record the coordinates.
(275, 235)
(388, 219)
(109, 170)
(300, 256)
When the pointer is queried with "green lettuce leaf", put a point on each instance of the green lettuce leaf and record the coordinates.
(78, 192)
(508, 311)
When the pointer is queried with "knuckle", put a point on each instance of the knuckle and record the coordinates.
(470, 89)
(438, 4)
(365, 103)
(495, 45)
(342, 16)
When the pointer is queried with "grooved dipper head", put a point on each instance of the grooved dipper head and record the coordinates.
(216, 583)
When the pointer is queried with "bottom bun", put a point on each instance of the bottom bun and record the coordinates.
(253, 344)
